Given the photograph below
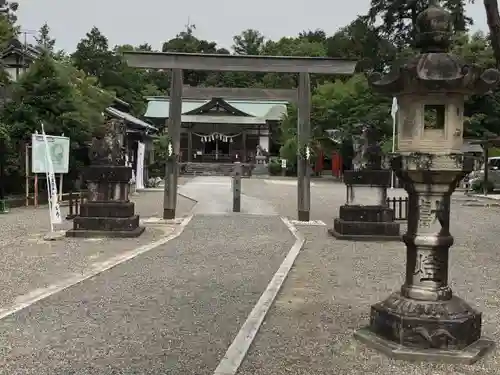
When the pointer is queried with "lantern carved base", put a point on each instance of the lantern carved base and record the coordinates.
(441, 331)
(425, 321)
(369, 223)
(108, 212)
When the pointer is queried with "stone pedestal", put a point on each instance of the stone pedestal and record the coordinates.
(424, 320)
(261, 167)
(108, 211)
(369, 219)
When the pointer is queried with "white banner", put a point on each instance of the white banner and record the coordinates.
(55, 209)
(139, 174)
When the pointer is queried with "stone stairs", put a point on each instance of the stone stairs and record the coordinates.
(210, 169)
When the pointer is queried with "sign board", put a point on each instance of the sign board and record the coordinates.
(283, 163)
(59, 153)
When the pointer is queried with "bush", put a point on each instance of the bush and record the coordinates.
(274, 168)
(477, 186)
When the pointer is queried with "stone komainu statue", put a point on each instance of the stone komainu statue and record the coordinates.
(369, 151)
(108, 147)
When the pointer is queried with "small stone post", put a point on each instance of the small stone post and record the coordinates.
(424, 320)
(236, 184)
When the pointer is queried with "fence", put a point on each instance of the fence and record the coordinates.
(75, 199)
(399, 206)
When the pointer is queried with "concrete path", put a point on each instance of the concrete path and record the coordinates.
(215, 196)
(173, 310)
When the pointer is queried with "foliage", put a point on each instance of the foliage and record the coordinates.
(69, 92)
(341, 105)
(249, 42)
(54, 95)
(43, 40)
(398, 18)
(477, 186)
(94, 58)
(160, 155)
(274, 167)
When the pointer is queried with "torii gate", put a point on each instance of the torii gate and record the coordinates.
(242, 63)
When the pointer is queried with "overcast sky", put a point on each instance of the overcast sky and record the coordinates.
(155, 21)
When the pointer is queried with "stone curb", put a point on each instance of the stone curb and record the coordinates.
(238, 349)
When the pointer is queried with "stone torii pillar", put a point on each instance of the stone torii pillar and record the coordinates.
(424, 320)
(213, 62)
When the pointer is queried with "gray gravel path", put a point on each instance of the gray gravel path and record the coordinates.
(29, 264)
(333, 283)
(173, 310)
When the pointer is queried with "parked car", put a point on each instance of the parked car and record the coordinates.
(476, 178)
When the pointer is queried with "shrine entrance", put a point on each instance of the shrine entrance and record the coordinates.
(217, 148)
(304, 66)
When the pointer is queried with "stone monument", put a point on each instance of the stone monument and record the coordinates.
(108, 211)
(425, 320)
(261, 166)
(371, 219)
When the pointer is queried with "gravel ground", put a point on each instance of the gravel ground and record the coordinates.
(150, 204)
(281, 195)
(333, 283)
(28, 263)
(28, 221)
(31, 264)
(173, 310)
(176, 309)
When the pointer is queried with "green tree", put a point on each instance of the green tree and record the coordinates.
(493, 19)
(316, 36)
(8, 30)
(186, 41)
(249, 42)
(398, 18)
(43, 40)
(93, 56)
(340, 105)
(50, 93)
(290, 47)
(361, 41)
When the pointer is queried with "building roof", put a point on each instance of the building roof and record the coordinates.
(207, 93)
(256, 111)
(16, 47)
(131, 119)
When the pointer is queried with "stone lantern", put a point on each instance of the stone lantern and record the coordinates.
(425, 320)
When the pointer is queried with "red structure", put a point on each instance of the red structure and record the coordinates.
(336, 164)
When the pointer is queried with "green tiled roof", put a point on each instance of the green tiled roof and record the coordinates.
(159, 108)
(261, 109)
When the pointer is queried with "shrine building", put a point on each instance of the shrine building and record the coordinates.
(221, 124)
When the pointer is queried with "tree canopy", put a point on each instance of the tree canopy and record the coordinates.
(69, 92)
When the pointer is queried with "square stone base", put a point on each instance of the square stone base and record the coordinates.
(360, 237)
(84, 233)
(468, 355)
(365, 231)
